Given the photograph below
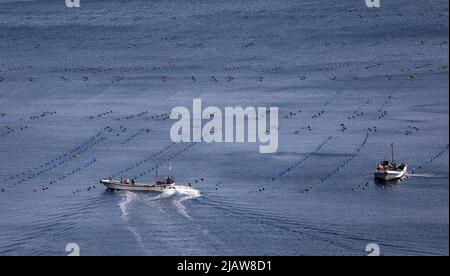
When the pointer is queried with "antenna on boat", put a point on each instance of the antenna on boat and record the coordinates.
(156, 168)
(392, 152)
(171, 174)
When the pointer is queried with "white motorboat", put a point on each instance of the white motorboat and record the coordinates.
(117, 185)
(160, 184)
(388, 171)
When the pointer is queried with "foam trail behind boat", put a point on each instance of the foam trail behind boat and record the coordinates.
(128, 198)
(165, 194)
(186, 193)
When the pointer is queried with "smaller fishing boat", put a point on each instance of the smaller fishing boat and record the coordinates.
(161, 184)
(390, 170)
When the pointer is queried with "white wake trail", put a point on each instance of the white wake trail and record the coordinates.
(186, 193)
(163, 195)
(124, 205)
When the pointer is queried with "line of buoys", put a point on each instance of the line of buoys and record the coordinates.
(137, 115)
(308, 127)
(292, 114)
(334, 67)
(382, 112)
(84, 69)
(219, 185)
(300, 162)
(337, 94)
(411, 129)
(12, 129)
(361, 187)
(348, 161)
(341, 167)
(430, 160)
(165, 161)
(162, 116)
(100, 115)
(88, 189)
(42, 115)
(359, 112)
(240, 67)
(116, 132)
(55, 163)
(143, 161)
(71, 173)
(136, 134)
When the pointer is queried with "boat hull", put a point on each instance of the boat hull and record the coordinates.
(391, 175)
(117, 186)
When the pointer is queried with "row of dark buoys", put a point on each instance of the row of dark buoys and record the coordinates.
(292, 114)
(219, 184)
(334, 67)
(356, 114)
(300, 162)
(318, 114)
(42, 115)
(343, 127)
(17, 68)
(196, 181)
(361, 187)
(435, 157)
(278, 68)
(423, 66)
(372, 129)
(382, 111)
(137, 115)
(11, 129)
(143, 161)
(163, 116)
(308, 127)
(359, 112)
(241, 67)
(431, 160)
(371, 66)
(336, 95)
(90, 69)
(346, 162)
(73, 172)
(165, 161)
(88, 189)
(411, 129)
(118, 132)
(100, 115)
(129, 139)
(57, 162)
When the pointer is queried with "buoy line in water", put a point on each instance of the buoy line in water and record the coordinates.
(63, 177)
(301, 161)
(56, 162)
(165, 161)
(429, 161)
(143, 161)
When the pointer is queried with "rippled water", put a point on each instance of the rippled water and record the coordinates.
(97, 77)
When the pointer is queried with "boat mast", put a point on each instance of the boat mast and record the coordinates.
(171, 174)
(392, 152)
(156, 169)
